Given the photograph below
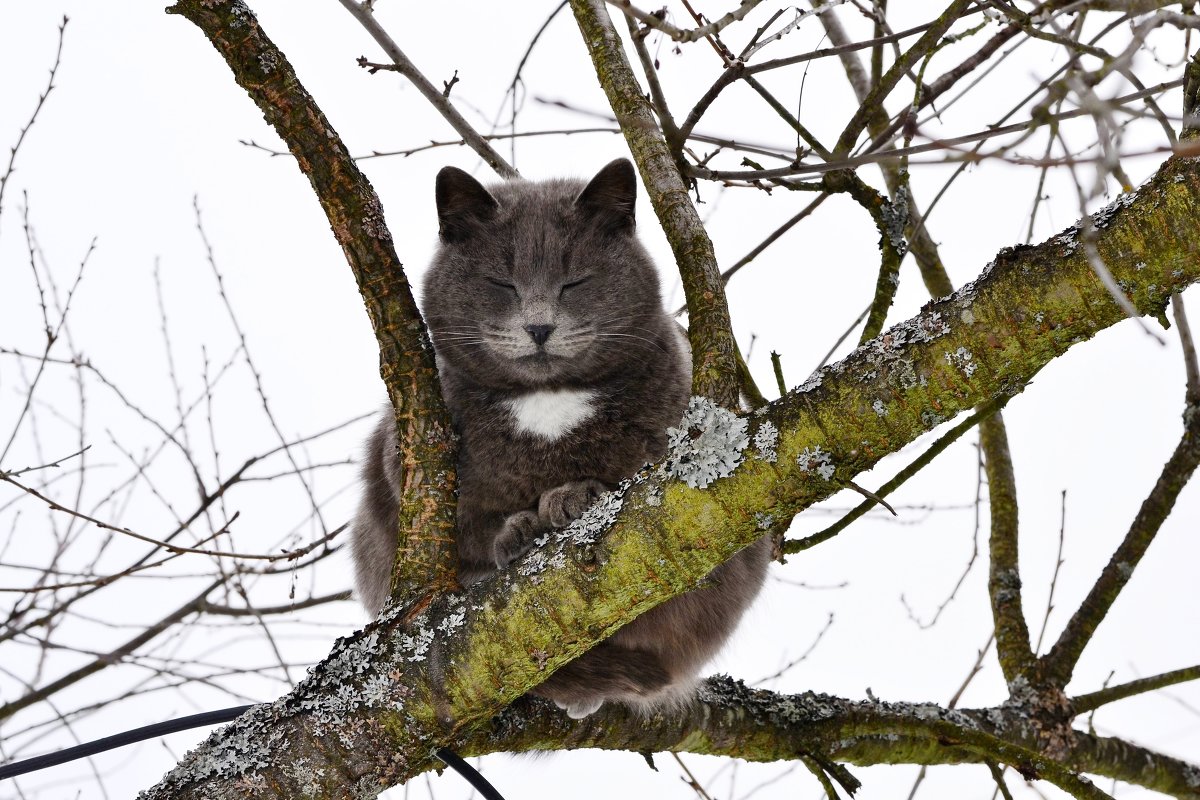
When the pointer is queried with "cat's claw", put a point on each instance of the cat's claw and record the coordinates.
(562, 505)
(516, 537)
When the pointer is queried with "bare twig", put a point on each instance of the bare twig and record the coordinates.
(439, 100)
(41, 101)
(659, 23)
(1089, 702)
(1060, 662)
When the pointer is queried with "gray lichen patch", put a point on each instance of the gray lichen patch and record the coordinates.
(811, 382)
(1069, 239)
(895, 219)
(963, 360)
(373, 222)
(306, 775)
(239, 751)
(766, 438)
(931, 419)
(814, 459)
(1008, 586)
(268, 61)
(888, 355)
(1105, 215)
(550, 550)
(415, 644)
(707, 445)
(596, 519)
(242, 15)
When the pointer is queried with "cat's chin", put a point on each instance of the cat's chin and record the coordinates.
(541, 368)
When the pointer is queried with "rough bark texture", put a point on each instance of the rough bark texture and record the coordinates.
(426, 555)
(370, 715)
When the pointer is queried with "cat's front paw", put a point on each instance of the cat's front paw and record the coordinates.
(562, 505)
(516, 537)
(578, 709)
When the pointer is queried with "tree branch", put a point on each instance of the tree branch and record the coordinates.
(879, 92)
(1004, 578)
(371, 713)
(714, 350)
(658, 22)
(438, 98)
(1060, 662)
(426, 554)
(1093, 700)
(732, 720)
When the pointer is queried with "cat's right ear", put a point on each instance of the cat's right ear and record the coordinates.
(462, 202)
(609, 197)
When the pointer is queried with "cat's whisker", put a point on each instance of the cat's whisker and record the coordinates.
(649, 342)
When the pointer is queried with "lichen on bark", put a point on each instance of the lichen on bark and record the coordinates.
(1029, 306)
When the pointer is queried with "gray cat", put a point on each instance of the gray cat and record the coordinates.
(562, 373)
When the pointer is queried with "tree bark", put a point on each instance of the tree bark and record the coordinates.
(372, 713)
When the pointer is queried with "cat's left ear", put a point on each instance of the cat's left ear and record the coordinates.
(611, 194)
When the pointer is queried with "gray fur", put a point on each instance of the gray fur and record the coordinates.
(543, 287)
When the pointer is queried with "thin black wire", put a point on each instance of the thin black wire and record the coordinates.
(86, 749)
(467, 771)
(15, 768)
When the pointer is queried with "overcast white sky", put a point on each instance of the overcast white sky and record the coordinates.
(145, 117)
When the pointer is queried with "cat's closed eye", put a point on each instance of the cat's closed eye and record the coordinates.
(501, 284)
(573, 284)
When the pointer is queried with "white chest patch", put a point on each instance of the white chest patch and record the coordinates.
(551, 413)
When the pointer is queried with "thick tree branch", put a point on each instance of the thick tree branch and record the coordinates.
(371, 713)
(729, 719)
(714, 350)
(427, 553)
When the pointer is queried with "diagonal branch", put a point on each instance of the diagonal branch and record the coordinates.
(1060, 662)
(426, 554)
(1110, 694)
(431, 675)
(879, 92)
(714, 350)
(439, 99)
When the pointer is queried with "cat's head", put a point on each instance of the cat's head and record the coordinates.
(540, 284)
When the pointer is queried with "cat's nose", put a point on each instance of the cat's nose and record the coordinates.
(539, 333)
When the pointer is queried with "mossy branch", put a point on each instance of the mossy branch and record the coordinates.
(732, 720)
(1004, 578)
(371, 713)
(426, 555)
(714, 350)
(1111, 694)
